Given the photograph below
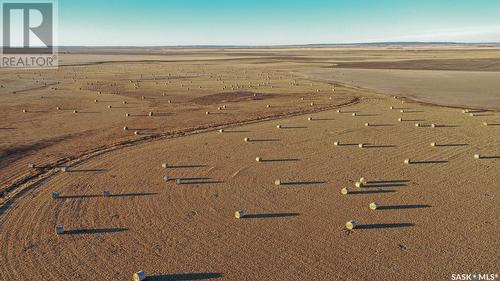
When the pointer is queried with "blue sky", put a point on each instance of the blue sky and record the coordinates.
(274, 22)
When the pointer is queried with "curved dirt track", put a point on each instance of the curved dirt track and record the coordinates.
(439, 215)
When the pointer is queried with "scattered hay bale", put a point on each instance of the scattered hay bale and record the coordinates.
(345, 191)
(139, 276)
(350, 225)
(31, 166)
(239, 214)
(59, 229)
(373, 205)
(64, 169)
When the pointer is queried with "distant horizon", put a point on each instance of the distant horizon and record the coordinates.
(286, 45)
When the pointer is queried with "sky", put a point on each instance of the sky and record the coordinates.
(274, 22)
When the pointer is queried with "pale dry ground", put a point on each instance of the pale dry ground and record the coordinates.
(189, 230)
(467, 89)
(444, 216)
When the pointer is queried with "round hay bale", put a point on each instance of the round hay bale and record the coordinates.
(127, 114)
(402, 111)
(166, 178)
(472, 114)
(124, 102)
(96, 101)
(367, 124)
(25, 111)
(64, 169)
(358, 184)
(339, 111)
(137, 133)
(125, 128)
(336, 143)
(433, 125)
(221, 131)
(59, 229)
(151, 114)
(55, 195)
(350, 225)
(312, 103)
(477, 156)
(345, 191)
(109, 106)
(373, 205)
(277, 182)
(239, 214)
(31, 165)
(407, 161)
(139, 276)
(207, 113)
(58, 108)
(164, 165)
(354, 114)
(268, 106)
(279, 126)
(363, 180)
(485, 123)
(75, 111)
(417, 124)
(258, 159)
(310, 119)
(246, 139)
(400, 119)
(361, 145)
(392, 107)
(433, 144)
(178, 181)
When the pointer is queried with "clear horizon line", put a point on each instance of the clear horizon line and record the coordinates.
(288, 45)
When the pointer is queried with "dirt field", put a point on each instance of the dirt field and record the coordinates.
(437, 216)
